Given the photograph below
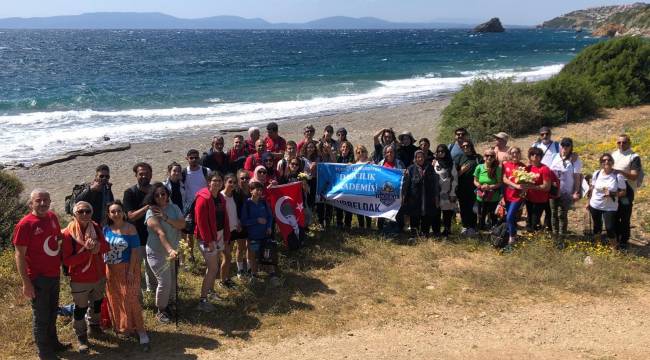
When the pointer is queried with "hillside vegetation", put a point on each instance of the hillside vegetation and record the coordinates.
(629, 19)
(613, 73)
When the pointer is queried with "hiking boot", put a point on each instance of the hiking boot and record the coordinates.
(227, 284)
(94, 331)
(61, 347)
(275, 281)
(83, 347)
(163, 317)
(205, 306)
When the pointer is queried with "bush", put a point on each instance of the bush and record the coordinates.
(12, 209)
(486, 106)
(566, 98)
(618, 69)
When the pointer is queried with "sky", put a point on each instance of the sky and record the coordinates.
(513, 12)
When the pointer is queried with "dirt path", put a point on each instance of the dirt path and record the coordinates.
(579, 329)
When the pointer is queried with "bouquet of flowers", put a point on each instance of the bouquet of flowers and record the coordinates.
(521, 176)
(303, 176)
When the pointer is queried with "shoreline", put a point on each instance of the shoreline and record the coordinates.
(420, 118)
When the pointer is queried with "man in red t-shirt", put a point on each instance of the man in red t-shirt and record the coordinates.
(36, 238)
(275, 144)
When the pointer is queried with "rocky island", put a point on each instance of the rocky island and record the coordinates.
(493, 25)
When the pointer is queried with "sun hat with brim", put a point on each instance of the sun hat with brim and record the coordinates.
(501, 135)
(406, 133)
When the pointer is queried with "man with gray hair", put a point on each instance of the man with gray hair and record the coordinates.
(36, 238)
(253, 136)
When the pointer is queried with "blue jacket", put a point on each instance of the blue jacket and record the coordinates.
(249, 214)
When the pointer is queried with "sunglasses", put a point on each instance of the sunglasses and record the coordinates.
(544, 134)
(621, 142)
(84, 211)
(460, 134)
(193, 157)
(261, 172)
(104, 176)
(244, 178)
(608, 160)
(535, 155)
(488, 155)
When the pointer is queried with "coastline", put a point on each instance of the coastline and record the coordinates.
(420, 118)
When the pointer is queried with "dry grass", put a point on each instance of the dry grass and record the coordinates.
(342, 281)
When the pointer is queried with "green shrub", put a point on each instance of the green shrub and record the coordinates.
(12, 208)
(566, 98)
(618, 69)
(486, 106)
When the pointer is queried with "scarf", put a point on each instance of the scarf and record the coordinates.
(81, 237)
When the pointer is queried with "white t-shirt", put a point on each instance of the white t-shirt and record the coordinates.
(549, 151)
(194, 181)
(231, 209)
(612, 182)
(565, 169)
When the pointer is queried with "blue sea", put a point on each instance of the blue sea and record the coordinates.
(63, 90)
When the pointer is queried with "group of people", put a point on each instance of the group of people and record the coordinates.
(219, 200)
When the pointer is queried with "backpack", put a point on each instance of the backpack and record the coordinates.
(184, 172)
(639, 178)
(71, 199)
(554, 191)
(268, 253)
(499, 235)
(190, 222)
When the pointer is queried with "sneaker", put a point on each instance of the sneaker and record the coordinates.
(242, 275)
(213, 296)
(205, 306)
(83, 347)
(464, 231)
(163, 317)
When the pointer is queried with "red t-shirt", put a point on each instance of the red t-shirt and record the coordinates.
(41, 237)
(511, 195)
(539, 196)
(279, 145)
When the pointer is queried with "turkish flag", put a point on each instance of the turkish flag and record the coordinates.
(287, 205)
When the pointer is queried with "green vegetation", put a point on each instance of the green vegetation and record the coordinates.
(619, 70)
(12, 208)
(613, 73)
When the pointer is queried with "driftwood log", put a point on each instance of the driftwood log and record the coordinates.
(88, 152)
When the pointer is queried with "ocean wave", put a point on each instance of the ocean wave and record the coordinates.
(59, 131)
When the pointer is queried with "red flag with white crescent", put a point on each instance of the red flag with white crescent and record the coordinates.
(287, 204)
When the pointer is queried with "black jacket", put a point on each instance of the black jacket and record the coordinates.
(420, 190)
(98, 200)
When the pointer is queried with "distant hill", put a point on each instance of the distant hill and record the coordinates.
(153, 20)
(632, 19)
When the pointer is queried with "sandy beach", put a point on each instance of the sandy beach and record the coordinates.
(419, 118)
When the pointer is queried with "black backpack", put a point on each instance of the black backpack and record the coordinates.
(499, 235)
(71, 199)
(190, 221)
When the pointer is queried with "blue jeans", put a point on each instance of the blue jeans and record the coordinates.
(511, 217)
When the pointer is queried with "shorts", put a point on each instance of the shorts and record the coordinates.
(256, 246)
(238, 235)
(84, 294)
(219, 245)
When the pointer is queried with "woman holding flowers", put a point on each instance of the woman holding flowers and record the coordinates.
(516, 180)
(607, 186)
(487, 179)
(537, 195)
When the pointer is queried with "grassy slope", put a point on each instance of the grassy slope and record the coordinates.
(344, 281)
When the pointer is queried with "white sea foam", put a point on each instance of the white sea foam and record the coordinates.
(30, 136)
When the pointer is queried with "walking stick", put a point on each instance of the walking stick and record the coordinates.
(177, 266)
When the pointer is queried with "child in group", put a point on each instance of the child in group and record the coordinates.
(257, 218)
